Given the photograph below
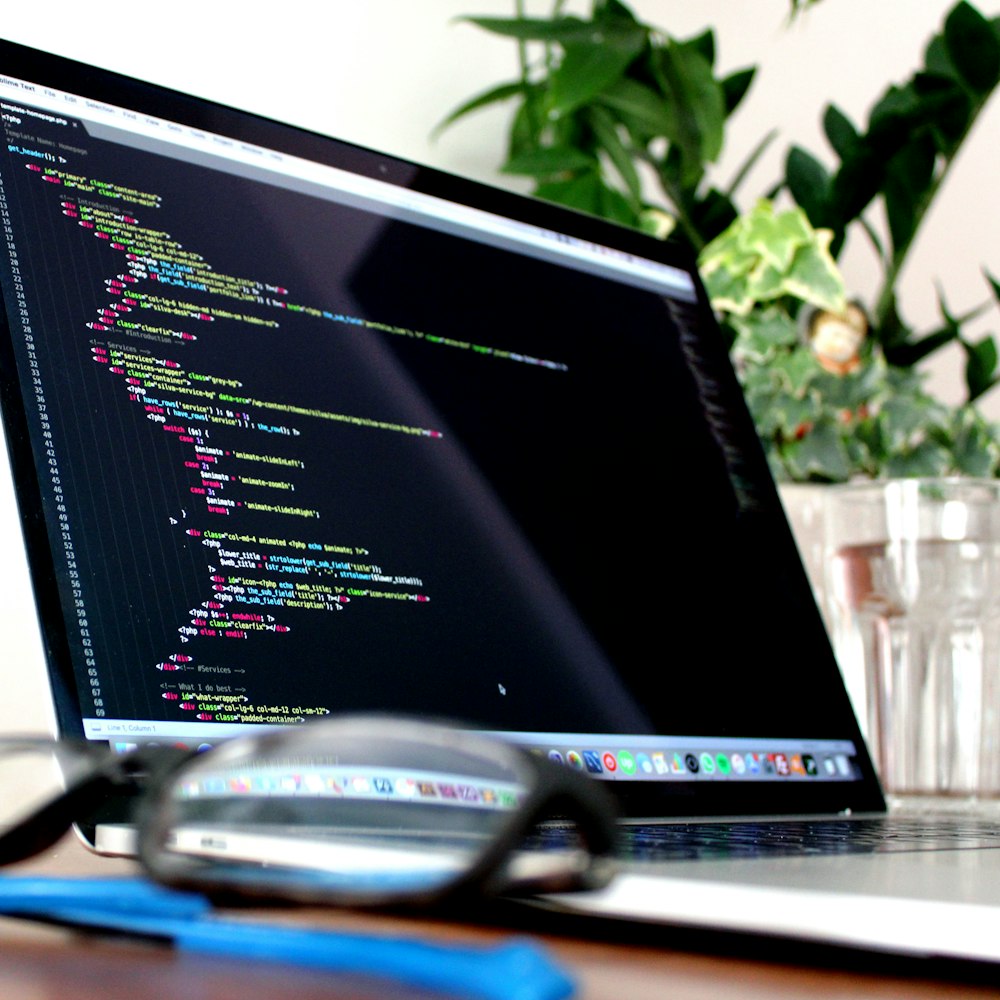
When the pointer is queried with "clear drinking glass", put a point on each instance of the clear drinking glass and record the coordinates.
(914, 598)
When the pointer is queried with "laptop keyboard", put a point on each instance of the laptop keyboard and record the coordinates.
(880, 835)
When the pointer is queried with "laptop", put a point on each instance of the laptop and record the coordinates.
(298, 428)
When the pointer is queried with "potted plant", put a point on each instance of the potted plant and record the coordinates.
(605, 101)
(827, 402)
(618, 118)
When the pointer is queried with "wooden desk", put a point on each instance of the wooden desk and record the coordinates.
(41, 963)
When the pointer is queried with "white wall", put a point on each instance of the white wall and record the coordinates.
(383, 72)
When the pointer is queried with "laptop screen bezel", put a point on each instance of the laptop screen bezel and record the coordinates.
(638, 798)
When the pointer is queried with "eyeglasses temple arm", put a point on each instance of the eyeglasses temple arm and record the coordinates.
(46, 827)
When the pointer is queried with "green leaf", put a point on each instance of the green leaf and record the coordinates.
(760, 383)
(735, 87)
(503, 92)
(867, 447)
(844, 395)
(525, 129)
(907, 382)
(865, 161)
(775, 238)
(855, 184)
(582, 193)
(765, 256)
(994, 285)
(890, 331)
(641, 109)
(711, 213)
(656, 222)
(809, 183)
(926, 459)
(906, 416)
(590, 66)
(588, 193)
(536, 29)
(607, 136)
(893, 114)
(873, 379)
(820, 454)
(765, 332)
(571, 130)
(615, 206)
(728, 291)
(726, 250)
(980, 366)
(910, 353)
(975, 451)
(705, 45)
(857, 180)
(973, 47)
(766, 282)
(840, 131)
(796, 370)
(790, 415)
(612, 10)
(908, 179)
(699, 108)
(926, 100)
(937, 60)
(945, 109)
(838, 392)
(547, 161)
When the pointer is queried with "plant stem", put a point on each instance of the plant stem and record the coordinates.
(751, 161)
(885, 303)
(549, 50)
(522, 45)
(675, 198)
(887, 295)
(525, 66)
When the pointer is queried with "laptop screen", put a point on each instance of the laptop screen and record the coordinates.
(314, 430)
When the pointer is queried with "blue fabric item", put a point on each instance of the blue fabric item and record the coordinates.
(515, 970)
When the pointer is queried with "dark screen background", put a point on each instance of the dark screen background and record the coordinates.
(591, 550)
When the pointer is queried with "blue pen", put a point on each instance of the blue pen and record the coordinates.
(517, 970)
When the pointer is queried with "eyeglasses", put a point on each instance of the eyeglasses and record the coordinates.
(351, 810)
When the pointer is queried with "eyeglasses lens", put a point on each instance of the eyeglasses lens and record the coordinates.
(355, 812)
